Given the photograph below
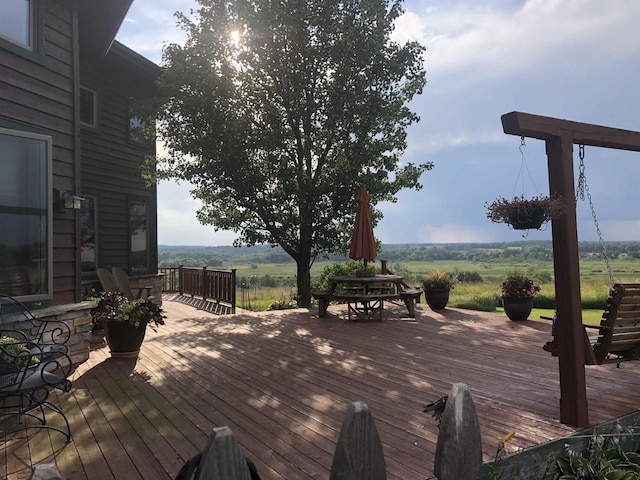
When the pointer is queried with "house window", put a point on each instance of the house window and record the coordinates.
(139, 238)
(25, 215)
(88, 107)
(88, 234)
(135, 129)
(17, 20)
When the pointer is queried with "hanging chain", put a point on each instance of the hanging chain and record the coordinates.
(581, 190)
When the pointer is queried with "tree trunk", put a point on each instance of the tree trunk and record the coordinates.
(304, 282)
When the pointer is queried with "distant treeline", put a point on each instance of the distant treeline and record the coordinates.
(223, 257)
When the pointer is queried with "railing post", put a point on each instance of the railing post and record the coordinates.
(203, 285)
(383, 267)
(459, 447)
(180, 279)
(233, 290)
(222, 458)
(358, 454)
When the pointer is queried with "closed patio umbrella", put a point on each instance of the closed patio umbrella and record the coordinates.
(363, 243)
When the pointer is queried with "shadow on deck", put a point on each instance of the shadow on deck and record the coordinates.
(283, 381)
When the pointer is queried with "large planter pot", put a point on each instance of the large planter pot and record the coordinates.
(517, 308)
(437, 299)
(124, 340)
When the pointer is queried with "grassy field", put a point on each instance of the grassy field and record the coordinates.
(482, 295)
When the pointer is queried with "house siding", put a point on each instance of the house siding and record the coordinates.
(41, 95)
(110, 166)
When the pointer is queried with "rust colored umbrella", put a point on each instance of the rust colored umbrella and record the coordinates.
(363, 243)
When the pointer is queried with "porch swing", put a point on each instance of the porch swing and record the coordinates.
(618, 337)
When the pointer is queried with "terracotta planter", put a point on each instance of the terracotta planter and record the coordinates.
(531, 220)
(517, 309)
(124, 340)
(437, 299)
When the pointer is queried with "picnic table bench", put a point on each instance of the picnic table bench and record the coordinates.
(371, 302)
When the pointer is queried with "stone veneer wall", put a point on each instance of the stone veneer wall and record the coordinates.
(78, 317)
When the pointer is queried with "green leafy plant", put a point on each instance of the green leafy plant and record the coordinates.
(114, 305)
(347, 269)
(439, 280)
(605, 459)
(519, 209)
(141, 312)
(108, 304)
(15, 353)
(518, 285)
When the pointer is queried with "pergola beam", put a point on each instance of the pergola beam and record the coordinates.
(544, 128)
(560, 136)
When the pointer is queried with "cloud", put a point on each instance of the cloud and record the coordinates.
(573, 59)
(450, 233)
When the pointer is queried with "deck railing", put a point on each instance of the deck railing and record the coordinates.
(217, 286)
(358, 454)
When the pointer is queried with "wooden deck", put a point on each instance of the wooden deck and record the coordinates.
(283, 382)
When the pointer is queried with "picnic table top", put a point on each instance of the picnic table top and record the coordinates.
(373, 279)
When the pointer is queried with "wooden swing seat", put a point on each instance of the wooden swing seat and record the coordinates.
(618, 338)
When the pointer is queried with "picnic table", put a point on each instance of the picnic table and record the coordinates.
(365, 296)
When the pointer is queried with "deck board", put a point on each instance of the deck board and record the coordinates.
(283, 381)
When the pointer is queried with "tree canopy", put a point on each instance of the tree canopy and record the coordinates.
(277, 112)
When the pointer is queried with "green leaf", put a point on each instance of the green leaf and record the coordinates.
(565, 465)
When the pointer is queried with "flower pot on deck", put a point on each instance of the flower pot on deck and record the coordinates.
(517, 309)
(124, 339)
(437, 299)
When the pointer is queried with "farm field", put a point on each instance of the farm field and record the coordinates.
(595, 281)
(266, 276)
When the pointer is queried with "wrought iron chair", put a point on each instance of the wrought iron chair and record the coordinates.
(46, 336)
(27, 375)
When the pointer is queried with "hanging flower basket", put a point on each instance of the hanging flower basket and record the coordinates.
(525, 214)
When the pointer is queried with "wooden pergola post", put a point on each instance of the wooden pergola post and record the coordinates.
(560, 136)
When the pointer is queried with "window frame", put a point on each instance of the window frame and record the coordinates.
(48, 295)
(95, 199)
(147, 205)
(34, 51)
(84, 124)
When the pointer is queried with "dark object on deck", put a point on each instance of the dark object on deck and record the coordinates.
(220, 459)
(437, 408)
(188, 470)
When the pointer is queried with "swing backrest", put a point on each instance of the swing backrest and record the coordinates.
(619, 335)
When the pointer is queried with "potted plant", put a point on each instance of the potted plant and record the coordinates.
(107, 304)
(525, 214)
(126, 321)
(437, 286)
(518, 291)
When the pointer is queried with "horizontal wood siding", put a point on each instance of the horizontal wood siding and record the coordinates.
(41, 94)
(111, 165)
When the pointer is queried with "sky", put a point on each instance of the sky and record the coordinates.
(570, 59)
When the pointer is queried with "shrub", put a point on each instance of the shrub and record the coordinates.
(469, 277)
(483, 303)
(350, 268)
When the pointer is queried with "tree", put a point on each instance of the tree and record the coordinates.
(278, 111)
